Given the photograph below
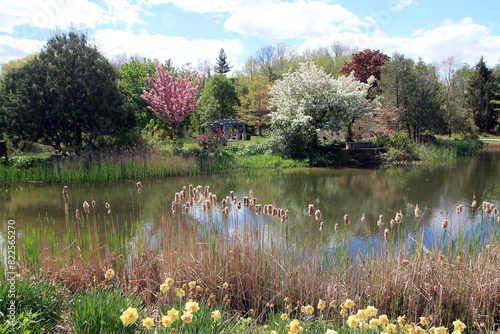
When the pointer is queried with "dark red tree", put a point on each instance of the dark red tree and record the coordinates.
(365, 64)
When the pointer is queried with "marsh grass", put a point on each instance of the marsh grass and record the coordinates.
(455, 276)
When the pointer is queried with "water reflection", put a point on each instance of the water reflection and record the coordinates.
(437, 190)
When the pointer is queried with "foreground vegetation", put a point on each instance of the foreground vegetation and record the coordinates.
(205, 269)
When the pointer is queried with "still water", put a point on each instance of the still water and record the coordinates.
(335, 192)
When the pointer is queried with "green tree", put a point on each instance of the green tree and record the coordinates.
(66, 96)
(222, 65)
(480, 93)
(219, 100)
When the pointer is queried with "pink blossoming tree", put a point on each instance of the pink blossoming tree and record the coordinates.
(172, 98)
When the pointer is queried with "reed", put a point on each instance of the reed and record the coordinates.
(455, 278)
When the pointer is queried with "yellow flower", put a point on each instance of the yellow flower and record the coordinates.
(286, 300)
(164, 287)
(284, 316)
(169, 281)
(459, 326)
(363, 315)
(110, 273)
(321, 304)
(373, 324)
(225, 286)
(372, 311)
(333, 304)
(438, 330)
(417, 330)
(192, 284)
(187, 317)
(173, 314)
(352, 321)
(216, 315)
(391, 328)
(148, 323)
(129, 316)
(307, 309)
(331, 331)
(274, 332)
(344, 312)
(424, 321)
(180, 293)
(191, 306)
(348, 304)
(383, 320)
(166, 321)
(401, 320)
(294, 327)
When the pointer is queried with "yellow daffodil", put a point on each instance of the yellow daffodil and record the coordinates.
(274, 332)
(333, 304)
(173, 314)
(166, 321)
(307, 309)
(417, 330)
(187, 317)
(352, 321)
(110, 273)
(372, 311)
(180, 292)
(459, 326)
(363, 315)
(191, 306)
(391, 328)
(424, 321)
(348, 304)
(284, 316)
(129, 316)
(225, 286)
(169, 281)
(216, 315)
(344, 312)
(164, 287)
(294, 327)
(148, 323)
(438, 330)
(321, 305)
(401, 320)
(373, 324)
(192, 284)
(331, 331)
(383, 320)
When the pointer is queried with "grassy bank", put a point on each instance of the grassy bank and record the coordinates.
(246, 273)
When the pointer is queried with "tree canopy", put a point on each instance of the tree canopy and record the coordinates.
(222, 64)
(67, 95)
(219, 99)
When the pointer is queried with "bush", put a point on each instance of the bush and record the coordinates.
(37, 306)
(212, 141)
(399, 146)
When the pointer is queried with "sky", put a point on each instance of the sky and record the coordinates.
(193, 31)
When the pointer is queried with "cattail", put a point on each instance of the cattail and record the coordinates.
(322, 226)
(214, 200)
(224, 203)
(386, 234)
(250, 193)
(265, 209)
(139, 185)
(245, 201)
(173, 207)
(459, 209)
(177, 198)
(444, 225)
(86, 207)
(336, 227)
(275, 212)
(93, 204)
(399, 217)
(317, 215)
(200, 199)
(380, 221)
(199, 189)
(474, 203)
(282, 220)
(499, 219)
(231, 193)
(286, 214)
(363, 218)
(204, 207)
(208, 204)
(258, 209)
(107, 205)
(489, 208)
(226, 211)
(254, 201)
(183, 211)
(188, 205)
(418, 213)
(239, 205)
(191, 200)
(206, 191)
(77, 214)
(346, 219)
(393, 222)
(311, 210)
(495, 211)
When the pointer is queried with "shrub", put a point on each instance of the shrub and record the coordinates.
(212, 141)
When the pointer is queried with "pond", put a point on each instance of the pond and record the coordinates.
(438, 190)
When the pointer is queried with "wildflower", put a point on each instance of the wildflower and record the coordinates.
(331, 331)
(110, 273)
(129, 316)
(216, 315)
(148, 323)
(321, 305)
(166, 321)
(191, 306)
(348, 304)
(187, 317)
(180, 292)
(424, 321)
(352, 321)
(164, 287)
(294, 327)
(307, 309)
(402, 320)
(284, 316)
(173, 314)
(459, 326)
(444, 225)
(192, 284)
(418, 213)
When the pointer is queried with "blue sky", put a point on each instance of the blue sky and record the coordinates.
(193, 31)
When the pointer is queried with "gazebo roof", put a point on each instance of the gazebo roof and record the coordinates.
(226, 122)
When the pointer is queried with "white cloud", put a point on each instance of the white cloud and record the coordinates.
(13, 48)
(179, 49)
(209, 6)
(398, 5)
(300, 19)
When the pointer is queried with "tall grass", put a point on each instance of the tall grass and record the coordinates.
(457, 277)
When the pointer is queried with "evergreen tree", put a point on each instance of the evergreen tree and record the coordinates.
(222, 65)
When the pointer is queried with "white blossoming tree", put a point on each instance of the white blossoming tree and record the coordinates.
(309, 100)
